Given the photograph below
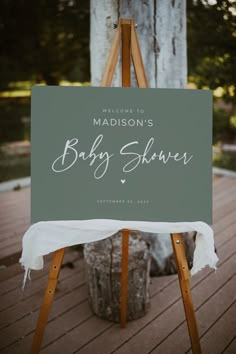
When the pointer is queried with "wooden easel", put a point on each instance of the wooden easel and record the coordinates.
(125, 34)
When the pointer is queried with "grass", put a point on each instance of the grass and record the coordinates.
(23, 88)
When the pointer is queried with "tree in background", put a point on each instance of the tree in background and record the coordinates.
(211, 45)
(44, 40)
(49, 40)
(212, 60)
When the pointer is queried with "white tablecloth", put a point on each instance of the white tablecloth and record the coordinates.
(45, 237)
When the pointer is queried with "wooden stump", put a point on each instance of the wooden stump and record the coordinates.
(103, 268)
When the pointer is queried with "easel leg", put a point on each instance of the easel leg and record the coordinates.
(124, 277)
(184, 276)
(47, 300)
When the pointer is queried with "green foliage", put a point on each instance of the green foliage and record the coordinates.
(225, 160)
(44, 40)
(233, 123)
(223, 128)
(14, 167)
(49, 40)
(13, 113)
(211, 44)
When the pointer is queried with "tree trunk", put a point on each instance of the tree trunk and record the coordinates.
(161, 29)
(103, 269)
(103, 15)
(171, 44)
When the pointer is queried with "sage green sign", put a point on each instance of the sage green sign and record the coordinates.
(121, 153)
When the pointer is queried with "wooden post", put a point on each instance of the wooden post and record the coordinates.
(184, 276)
(47, 300)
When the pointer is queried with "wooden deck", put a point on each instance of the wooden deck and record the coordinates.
(72, 328)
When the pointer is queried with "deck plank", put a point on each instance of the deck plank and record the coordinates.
(69, 280)
(13, 275)
(208, 311)
(162, 323)
(14, 221)
(231, 347)
(221, 333)
(72, 328)
(114, 336)
(26, 324)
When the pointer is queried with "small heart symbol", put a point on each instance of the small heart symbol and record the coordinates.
(122, 181)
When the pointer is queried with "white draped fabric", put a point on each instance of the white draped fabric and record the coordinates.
(48, 236)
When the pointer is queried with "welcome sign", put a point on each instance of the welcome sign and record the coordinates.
(121, 153)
